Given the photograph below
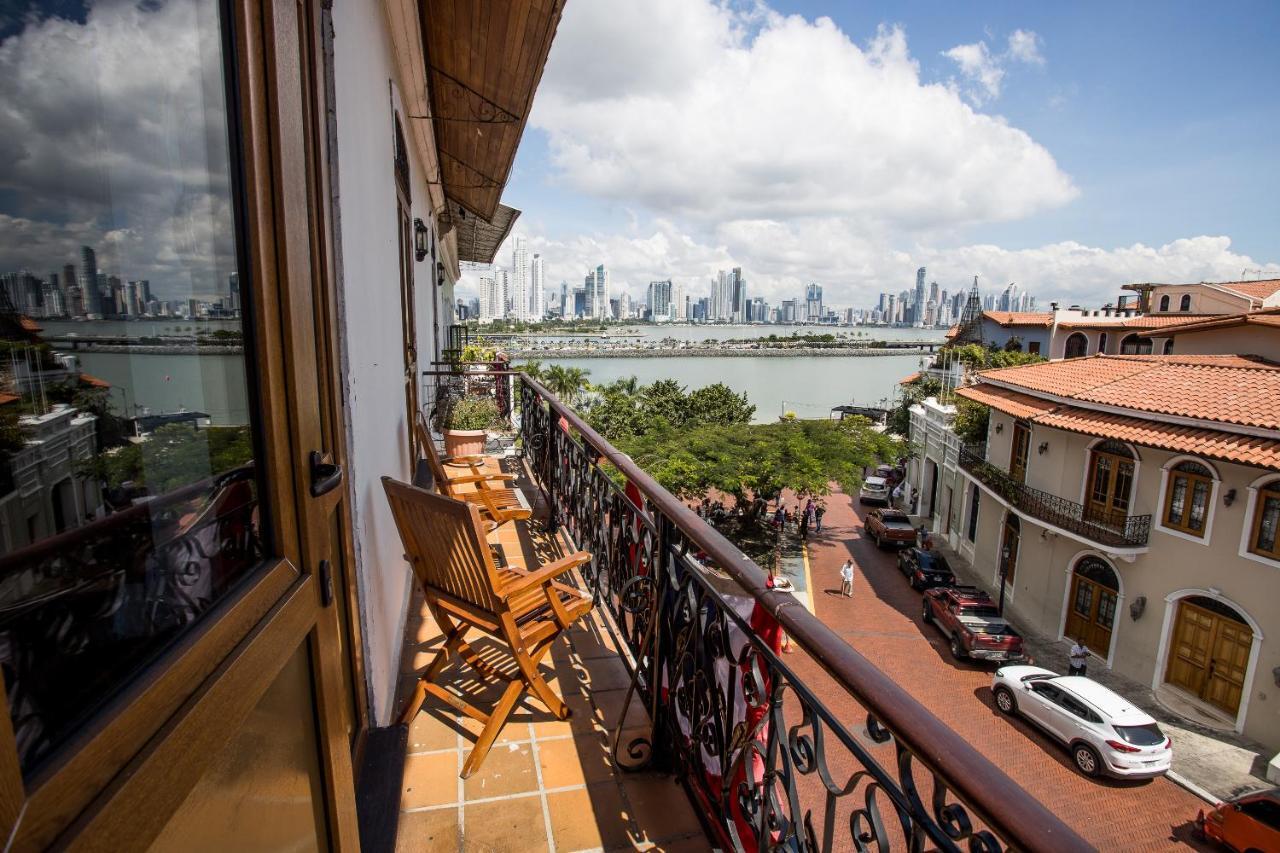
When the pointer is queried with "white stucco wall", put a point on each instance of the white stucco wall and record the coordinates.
(373, 366)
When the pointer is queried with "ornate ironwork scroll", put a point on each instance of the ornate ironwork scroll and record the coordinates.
(765, 760)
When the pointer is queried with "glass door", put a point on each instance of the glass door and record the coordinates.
(1110, 481)
(171, 516)
(1019, 449)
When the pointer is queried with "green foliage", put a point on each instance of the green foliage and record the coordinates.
(473, 353)
(971, 421)
(11, 438)
(173, 456)
(899, 421)
(759, 461)
(471, 413)
(626, 408)
(978, 357)
(567, 383)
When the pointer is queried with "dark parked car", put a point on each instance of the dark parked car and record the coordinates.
(889, 527)
(971, 619)
(925, 569)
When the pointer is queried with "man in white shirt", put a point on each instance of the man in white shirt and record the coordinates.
(1079, 657)
(846, 579)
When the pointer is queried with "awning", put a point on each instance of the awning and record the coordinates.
(479, 239)
(483, 65)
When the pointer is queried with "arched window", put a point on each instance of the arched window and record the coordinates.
(1186, 498)
(1164, 302)
(1134, 345)
(1077, 345)
(1264, 537)
(1102, 342)
(1168, 346)
(1095, 593)
(1184, 304)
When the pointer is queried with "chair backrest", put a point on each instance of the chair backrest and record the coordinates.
(444, 541)
(433, 458)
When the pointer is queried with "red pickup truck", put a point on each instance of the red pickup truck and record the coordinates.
(971, 619)
(889, 527)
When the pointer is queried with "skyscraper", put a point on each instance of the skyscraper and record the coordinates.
(813, 302)
(520, 280)
(537, 282)
(659, 299)
(89, 290)
(739, 296)
(597, 285)
(566, 307)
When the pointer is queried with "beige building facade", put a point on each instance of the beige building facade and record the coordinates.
(1151, 536)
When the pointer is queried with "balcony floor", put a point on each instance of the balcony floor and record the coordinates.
(547, 784)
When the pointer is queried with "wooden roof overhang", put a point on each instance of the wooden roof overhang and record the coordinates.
(484, 61)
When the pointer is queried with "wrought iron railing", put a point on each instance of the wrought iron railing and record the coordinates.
(468, 379)
(768, 763)
(1117, 530)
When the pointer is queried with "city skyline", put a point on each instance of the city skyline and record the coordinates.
(1001, 148)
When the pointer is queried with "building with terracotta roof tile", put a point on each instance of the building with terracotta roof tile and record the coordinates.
(1207, 297)
(1132, 501)
(1255, 332)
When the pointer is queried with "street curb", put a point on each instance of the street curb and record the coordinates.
(1184, 782)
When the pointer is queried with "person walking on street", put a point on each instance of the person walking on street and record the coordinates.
(802, 522)
(846, 579)
(922, 533)
(818, 512)
(1079, 658)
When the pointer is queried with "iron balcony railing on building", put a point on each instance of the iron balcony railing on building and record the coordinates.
(1115, 530)
(767, 762)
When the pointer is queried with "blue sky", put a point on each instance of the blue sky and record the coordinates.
(1144, 125)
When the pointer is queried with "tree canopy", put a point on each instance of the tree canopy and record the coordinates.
(625, 408)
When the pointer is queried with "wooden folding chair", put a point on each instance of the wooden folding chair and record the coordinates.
(525, 610)
(499, 505)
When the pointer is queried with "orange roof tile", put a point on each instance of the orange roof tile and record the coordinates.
(1267, 317)
(5, 399)
(1209, 443)
(28, 324)
(1253, 289)
(94, 381)
(909, 378)
(1020, 318)
(1010, 402)
(952, 332)
(1228, 389)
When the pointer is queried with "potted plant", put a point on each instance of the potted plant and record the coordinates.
(466, 425)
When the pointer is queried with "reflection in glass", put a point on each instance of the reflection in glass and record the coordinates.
(128, 498)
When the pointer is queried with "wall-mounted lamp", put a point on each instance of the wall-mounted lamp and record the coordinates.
(439, 274)
(1137, 607)
(1229, 498)
(1043, 448)
(421, 240)
(999, 428)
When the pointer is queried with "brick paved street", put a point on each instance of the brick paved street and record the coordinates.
(882, 621)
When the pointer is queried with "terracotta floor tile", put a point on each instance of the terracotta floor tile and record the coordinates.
(515, 729)
(429, 780)
(504, 826)
(662, 809)
(432, 730)
(508, 769)
(696, 843)
(435, 829)
(610, 704)
(594, 644)
(577, 761)
(588, 818)
(606, 674)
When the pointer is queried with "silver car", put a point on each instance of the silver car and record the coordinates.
(1103, 730)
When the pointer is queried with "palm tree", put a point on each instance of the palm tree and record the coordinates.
(567, 383)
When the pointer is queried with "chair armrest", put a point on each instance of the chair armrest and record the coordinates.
(469, 461)
(483, 478)
(547, 573)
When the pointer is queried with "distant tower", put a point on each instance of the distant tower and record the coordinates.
(971, 320)
(90, 291)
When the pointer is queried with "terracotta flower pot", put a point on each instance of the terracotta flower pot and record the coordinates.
(464, 442)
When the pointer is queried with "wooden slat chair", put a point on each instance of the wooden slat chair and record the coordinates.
(525, 610)
(498, 505)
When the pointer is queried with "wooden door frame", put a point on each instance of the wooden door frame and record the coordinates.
(1018, 467)
(118, 781)
(1090, 470)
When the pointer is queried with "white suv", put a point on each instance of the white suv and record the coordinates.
(874, 490)
(1105, 732)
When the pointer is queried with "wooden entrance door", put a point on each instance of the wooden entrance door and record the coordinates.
(1019, 449)
(1110, 481)
(1209, 653)
(408, 300)
(223, 706)
(1092, 604)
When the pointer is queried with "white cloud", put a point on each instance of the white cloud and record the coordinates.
(984, 71)
(1024, 46)
(980, 68)
(712, 116)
